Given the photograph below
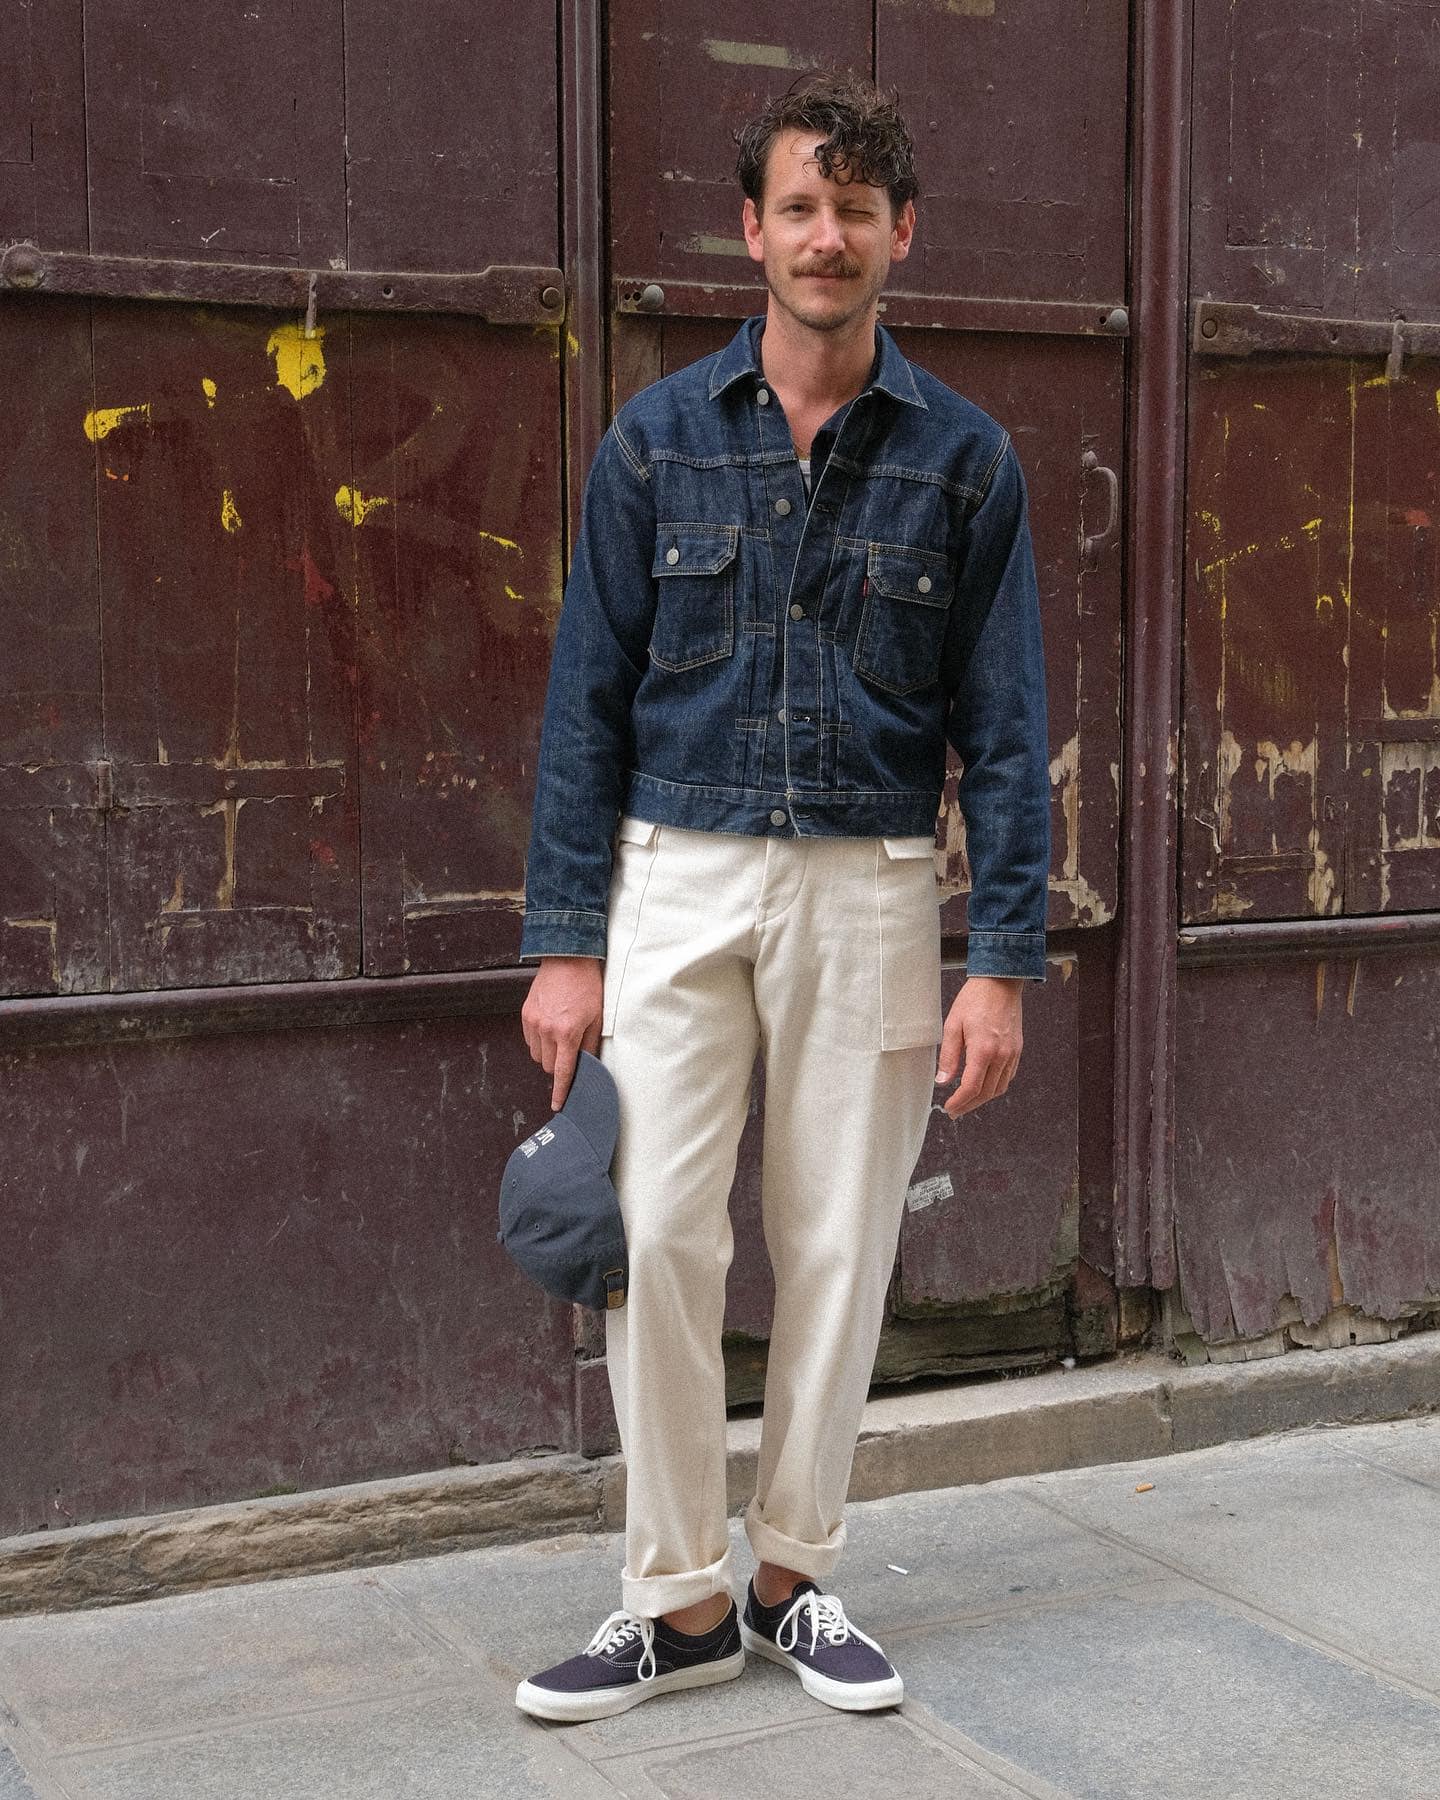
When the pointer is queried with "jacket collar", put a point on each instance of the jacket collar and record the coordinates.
(890, 372)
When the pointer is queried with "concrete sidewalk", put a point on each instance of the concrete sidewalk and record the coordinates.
(1263, 1621)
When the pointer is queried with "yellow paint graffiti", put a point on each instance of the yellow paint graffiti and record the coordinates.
(209, 390)
(572, 343)
(105, 419)
(504, 543)
(299, 358)
(229, 516)
(511, 592)
(353, 505)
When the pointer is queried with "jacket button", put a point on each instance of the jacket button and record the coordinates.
(782, 507)
(763, 397)
(781, 715)
(797, 612)
(777, 817)
(672, 555)
(923, 584)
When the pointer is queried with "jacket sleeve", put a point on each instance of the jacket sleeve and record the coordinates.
(586, 740)
(994, 673)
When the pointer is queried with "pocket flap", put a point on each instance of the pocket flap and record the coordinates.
(636, 831)
(909, 846)
(917, 575)
(694, 549)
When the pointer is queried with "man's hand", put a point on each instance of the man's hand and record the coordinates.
(561, 1017)
(984, 1027)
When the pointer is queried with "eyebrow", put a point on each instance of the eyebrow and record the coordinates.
(849, 200)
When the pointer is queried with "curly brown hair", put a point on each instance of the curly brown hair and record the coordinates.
(865, 137)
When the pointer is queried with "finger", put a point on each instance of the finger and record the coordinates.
(993, 1084)
(591, 1039)
(952, 1050)
(967, 1096)
(566, 1057)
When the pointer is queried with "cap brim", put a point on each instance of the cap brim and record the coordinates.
(593, 1107)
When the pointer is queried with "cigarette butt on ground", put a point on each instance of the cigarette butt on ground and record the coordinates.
(1144, 1487)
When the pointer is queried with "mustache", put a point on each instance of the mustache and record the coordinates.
(840, 268)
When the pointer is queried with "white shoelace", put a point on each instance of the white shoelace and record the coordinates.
(617, 1631)
(826, 1616)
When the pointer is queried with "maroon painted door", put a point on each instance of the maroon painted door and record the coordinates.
(1306, 1131)
(281, 534)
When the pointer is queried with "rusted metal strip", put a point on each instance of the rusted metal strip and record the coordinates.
(1249, 941)
(1221, 328)
(49, 785)
(1145, 969)
(942, 312)
(270, 1006)
(502, 294)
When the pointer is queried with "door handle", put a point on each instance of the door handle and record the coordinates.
(1091, 546)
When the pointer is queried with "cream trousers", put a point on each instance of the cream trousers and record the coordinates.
(823, 954)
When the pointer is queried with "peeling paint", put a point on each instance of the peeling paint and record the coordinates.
(105, 419)
(702, 244)
(1090, 906)
(760, 56)
(1320, 885)
(208, 388)
(229, 809)
(229, 516)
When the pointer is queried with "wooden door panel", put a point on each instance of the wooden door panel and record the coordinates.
(229, 646)
(216, 132)
(52, 829)
(458, 573)
(1011, 206)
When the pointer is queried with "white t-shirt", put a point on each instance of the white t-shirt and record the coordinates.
(805, 472)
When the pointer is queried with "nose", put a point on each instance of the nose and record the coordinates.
(827, 237)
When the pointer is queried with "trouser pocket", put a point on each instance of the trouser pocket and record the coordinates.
(909, 906)
(636, 841)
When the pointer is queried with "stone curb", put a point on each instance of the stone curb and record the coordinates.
(1130, 1408)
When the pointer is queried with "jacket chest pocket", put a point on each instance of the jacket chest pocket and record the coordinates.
(694, 571)
(902, 626)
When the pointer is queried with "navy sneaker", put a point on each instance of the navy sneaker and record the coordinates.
(628, 1660)
(835, 1661)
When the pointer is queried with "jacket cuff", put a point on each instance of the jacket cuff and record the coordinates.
(1015, 954)
(562, 934)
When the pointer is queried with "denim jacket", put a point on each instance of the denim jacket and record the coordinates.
(732, 656)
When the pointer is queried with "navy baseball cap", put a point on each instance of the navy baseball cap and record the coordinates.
(559, 1215)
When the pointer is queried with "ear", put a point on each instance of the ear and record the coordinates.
(754, 231)
(902, 231)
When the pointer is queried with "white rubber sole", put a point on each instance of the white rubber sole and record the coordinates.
(604, 1703)
(848, 1696)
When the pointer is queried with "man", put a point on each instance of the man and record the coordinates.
(803, 563)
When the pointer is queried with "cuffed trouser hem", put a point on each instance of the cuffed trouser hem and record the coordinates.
(647, 1596)
(774, 1546)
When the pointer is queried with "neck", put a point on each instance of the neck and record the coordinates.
(817, 368)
